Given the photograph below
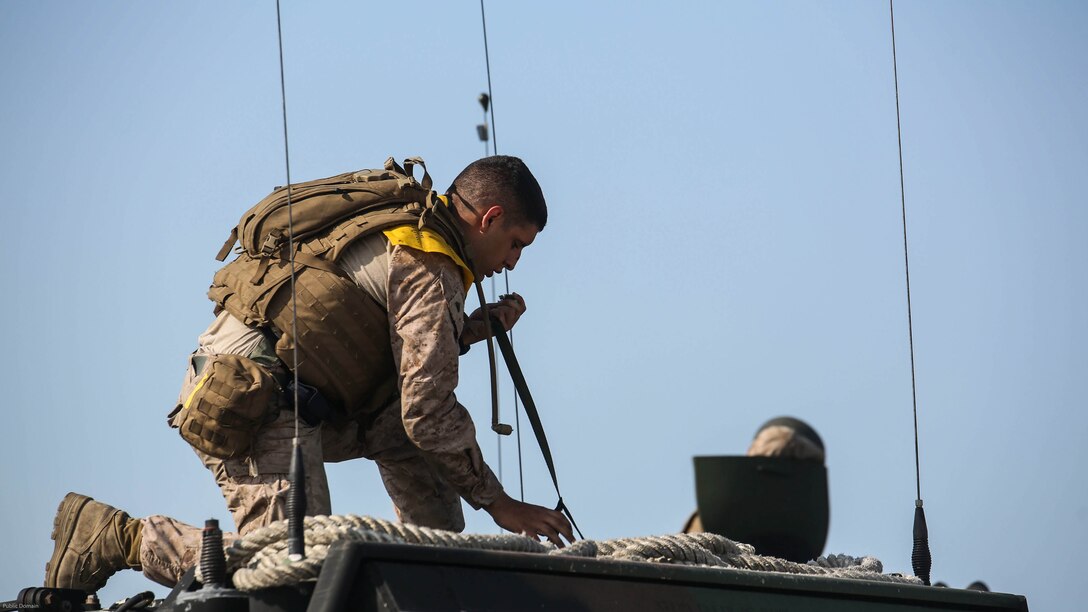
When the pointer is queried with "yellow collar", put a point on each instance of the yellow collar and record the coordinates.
(428, 241)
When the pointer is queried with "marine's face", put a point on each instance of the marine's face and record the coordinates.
(497, 243)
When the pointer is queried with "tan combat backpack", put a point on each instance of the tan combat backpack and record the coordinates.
(224, 414)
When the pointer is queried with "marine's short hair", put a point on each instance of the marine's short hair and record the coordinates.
(505, 180)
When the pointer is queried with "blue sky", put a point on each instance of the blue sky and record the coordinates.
(724, 246)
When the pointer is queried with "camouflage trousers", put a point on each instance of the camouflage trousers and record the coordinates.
(255, 487)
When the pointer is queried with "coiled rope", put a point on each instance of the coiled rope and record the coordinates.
(259, 559)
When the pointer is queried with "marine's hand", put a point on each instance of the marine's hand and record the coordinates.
(530, 520)
(507, 310)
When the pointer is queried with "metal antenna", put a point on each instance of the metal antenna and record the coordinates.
(485, 136)
(490, 97)
(296, 495)
(517, 405)
(920, 558)
(505, 273)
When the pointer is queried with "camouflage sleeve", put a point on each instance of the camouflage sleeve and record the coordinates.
(426, 316)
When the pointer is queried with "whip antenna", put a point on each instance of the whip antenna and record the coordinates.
(920, 559)
(296, 495)
(491, 98)
(485, 136)
(489, 105)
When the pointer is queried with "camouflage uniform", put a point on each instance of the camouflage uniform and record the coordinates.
(784, 441)
(424, 443)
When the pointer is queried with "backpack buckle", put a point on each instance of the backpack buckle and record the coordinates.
(271, 243)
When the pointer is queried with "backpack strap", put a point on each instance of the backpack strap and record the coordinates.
(306, 259)
(228, 244)
(392, 166)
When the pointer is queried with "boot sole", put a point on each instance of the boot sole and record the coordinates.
(64, 527)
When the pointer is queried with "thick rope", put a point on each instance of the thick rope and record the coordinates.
(259, 559)
(712, 550)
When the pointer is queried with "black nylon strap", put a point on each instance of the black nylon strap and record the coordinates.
(531, 412)
(562, 507)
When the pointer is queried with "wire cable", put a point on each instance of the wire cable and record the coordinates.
(517, 406)
(505, 273)
(296, 498)
(490, 141)
(920, 556)
(906, 259)
(498, 437)
(290, 217)
(487, 62)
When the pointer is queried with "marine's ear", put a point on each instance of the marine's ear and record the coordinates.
(490, 217)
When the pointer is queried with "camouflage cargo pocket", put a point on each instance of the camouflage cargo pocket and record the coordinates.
(233, 399)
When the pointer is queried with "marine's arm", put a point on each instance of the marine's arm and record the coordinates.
(426, 302)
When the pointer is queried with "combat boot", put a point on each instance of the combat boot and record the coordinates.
(93, 541)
